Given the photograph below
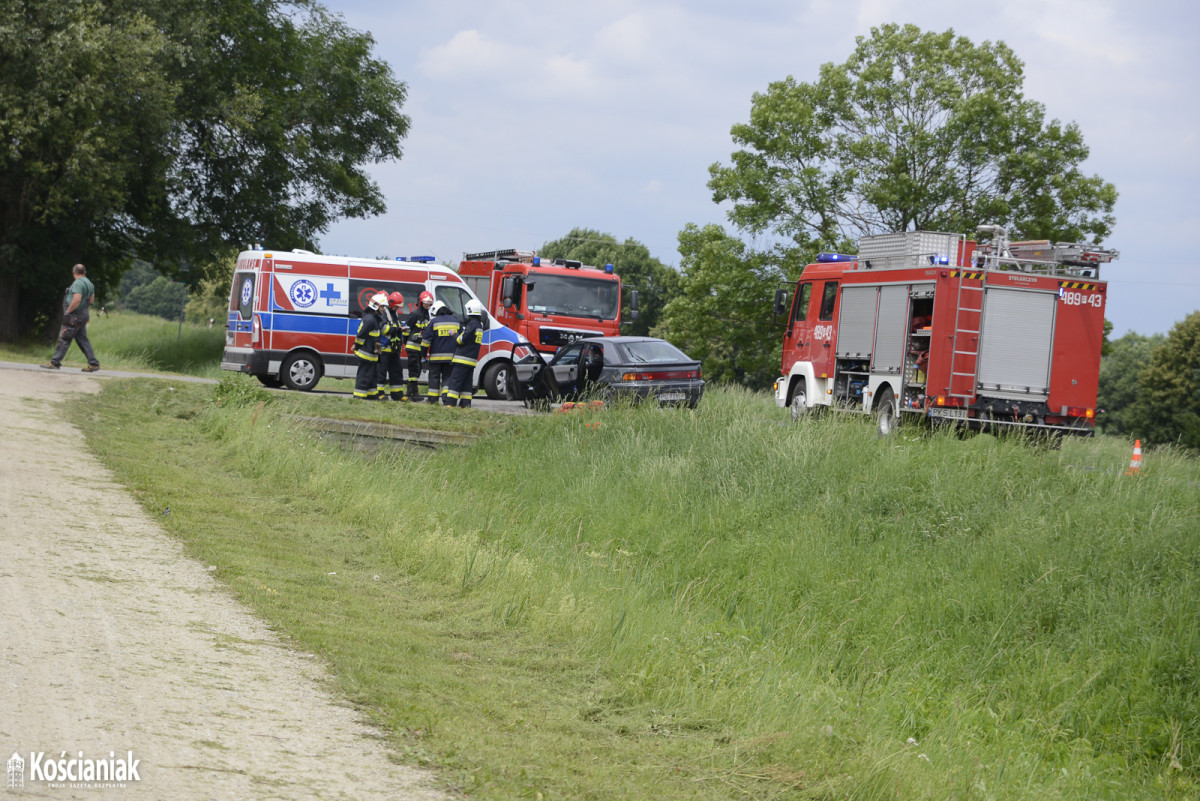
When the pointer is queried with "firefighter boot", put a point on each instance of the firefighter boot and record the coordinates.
(412, 390)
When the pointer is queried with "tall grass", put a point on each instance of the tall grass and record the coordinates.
(129, 341)
(922, 616)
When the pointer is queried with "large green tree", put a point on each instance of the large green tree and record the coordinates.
(915, 131)
(169, 130)
(655, 282)
(1168, 405)
(718, 316)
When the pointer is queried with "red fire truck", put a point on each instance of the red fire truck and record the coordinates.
(551, 302)
(921, 324)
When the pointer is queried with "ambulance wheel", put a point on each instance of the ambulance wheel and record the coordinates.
(269, 381)
(301, 371)
(498, 381)
(799, 405)
(884, 409)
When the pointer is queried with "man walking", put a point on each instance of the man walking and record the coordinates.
(76, 304)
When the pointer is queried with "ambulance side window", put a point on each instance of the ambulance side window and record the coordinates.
(800, 307)
(455, 297)
(828, 300)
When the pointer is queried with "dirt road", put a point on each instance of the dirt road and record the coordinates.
(111, 640)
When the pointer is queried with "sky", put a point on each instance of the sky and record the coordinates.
(531, 117)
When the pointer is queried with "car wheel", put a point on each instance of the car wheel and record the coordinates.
(884, 409)
(271, 381)
(498, 381)
(799, 405)
(301, 371)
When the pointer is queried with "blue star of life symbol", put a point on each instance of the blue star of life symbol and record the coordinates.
(247, 288)
(303, 293)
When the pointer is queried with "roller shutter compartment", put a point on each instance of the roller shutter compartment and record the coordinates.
(856, 322)
(1016, 342)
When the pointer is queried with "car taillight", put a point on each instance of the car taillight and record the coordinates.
(661, 375)
(256, 330)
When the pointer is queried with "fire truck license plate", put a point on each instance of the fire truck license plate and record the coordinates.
(671, 396)
(953, 414)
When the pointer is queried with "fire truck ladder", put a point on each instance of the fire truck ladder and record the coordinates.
(961, 358)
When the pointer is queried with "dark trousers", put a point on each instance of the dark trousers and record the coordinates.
(462, 385)
(414, 370)
(77, 334)
(390, 378)
(439, 378)
(366, 386)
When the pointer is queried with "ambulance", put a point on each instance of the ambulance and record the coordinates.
(293, 314)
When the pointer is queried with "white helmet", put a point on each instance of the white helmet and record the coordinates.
(474, 308)
(436, 308)
(378, 301)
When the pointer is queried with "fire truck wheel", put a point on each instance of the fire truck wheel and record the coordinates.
(497, 381)
(799, 405)
(301, 371)
(884, 409)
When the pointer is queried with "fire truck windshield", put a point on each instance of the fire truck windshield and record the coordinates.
(575, 297)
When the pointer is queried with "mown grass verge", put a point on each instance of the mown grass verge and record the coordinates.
(129, 341)
(713, 604)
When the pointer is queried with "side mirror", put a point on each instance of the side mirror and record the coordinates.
(633, 310)
(529, 282)
(780, 296)
(507, 290)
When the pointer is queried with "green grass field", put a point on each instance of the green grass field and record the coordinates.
(713, 604)
(128, 341)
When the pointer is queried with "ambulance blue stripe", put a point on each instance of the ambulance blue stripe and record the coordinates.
(501, 334)
(309, 324)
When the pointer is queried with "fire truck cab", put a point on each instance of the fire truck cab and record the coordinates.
(549, 302)
(933, 325)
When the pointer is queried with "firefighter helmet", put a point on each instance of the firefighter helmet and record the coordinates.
(395, 300)
(436, 308)
(426, 296)
(377, 301)
(474, 308)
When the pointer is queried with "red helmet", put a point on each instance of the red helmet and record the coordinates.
(395, 300)
(426, 296)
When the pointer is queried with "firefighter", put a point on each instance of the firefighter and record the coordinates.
(466, 356)
(439, 342)
(414, 326)
(366, 347)
(391, 366)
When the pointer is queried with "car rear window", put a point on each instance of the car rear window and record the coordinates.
(652, 352)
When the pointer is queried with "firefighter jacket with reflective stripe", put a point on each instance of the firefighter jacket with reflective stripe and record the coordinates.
(366, 343)
(391, 339)
(415, 323)
(441, 335)
(468, 340)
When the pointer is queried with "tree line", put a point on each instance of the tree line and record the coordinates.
(169, 130)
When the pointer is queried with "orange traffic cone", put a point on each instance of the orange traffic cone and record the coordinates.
(1135, 464)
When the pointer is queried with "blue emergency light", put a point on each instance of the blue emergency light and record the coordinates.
(826, 258)
(608, 268)
(939, 259)
(536, 261)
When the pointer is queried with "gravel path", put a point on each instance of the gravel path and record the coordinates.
(112, 640)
